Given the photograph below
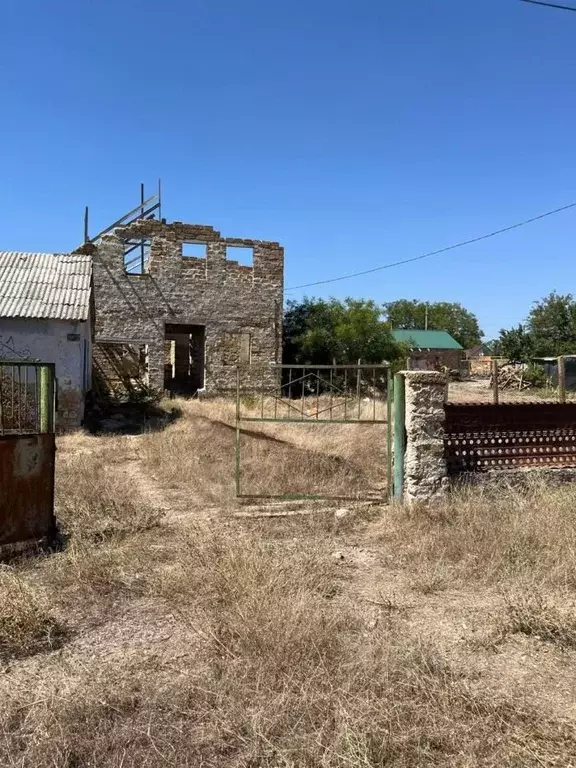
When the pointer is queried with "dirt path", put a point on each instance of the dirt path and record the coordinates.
(176, 503)
(147, 487)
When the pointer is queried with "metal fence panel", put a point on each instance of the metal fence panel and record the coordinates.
(27, 451)
(320, 395)
(27, 392)
(482, 437)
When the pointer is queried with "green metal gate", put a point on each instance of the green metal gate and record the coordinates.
(320, 395)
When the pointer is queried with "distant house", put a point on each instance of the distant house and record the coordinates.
(46, 315)
(431, 350)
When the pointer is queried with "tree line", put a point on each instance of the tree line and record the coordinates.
(324, 331)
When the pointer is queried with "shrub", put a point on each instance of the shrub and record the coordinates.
(535, 375)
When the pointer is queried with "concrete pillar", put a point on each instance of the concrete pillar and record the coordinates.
(425, 474)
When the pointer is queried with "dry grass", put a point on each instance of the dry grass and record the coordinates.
(95, 501)
(198, 642)
(26, 622)
(324, 459)
(533, 614)
(282, 674)
(491, 536)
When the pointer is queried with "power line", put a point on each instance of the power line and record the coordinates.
(551, 5)
(435, 253)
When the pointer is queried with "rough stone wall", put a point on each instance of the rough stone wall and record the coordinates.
(230, 300)
(425, 474)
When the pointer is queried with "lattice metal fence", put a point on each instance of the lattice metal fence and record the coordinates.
(344, 394)
(482, 437)
(27, 452)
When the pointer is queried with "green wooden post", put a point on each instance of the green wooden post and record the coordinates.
(389, 465)
(562, 379)
(46, 400)
(399, 435)
(237, 472)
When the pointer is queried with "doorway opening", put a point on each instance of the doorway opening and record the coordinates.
(184, 358)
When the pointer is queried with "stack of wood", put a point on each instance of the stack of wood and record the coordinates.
(510, 377)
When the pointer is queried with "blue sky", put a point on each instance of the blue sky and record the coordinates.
(354, 133)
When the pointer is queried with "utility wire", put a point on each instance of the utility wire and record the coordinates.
(551, 5)
(434, 253)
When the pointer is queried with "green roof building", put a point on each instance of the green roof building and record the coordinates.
(426, 339)
(431, 350)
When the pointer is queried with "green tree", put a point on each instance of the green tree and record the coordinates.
(319, 331)
(552, 325)
(516, 344)
(460, 323)
(549, 331)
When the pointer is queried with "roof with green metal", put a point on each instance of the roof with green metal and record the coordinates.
(426, 339)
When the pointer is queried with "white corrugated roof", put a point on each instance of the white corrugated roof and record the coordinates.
(49, 285)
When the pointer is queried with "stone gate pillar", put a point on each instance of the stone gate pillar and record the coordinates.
(425, 473)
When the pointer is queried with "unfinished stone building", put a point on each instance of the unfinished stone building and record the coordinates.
(184, 322)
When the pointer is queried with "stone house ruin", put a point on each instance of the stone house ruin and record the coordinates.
(183, 322)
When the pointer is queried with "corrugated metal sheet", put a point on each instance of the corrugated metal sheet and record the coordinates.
(45, 285)
(420, 339)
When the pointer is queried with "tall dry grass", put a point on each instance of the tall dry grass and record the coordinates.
(214, 643)
(283, 673)
(96, 501)
(103, 512)
(27, 624)
(492, 535)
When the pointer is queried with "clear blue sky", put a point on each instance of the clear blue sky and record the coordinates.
(354, 133)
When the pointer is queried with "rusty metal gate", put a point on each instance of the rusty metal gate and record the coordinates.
(27, 450)
(482, 437)
(321, 397)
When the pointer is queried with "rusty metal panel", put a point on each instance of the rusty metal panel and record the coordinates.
(482, 437)
(488, 417)
(26, 487)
